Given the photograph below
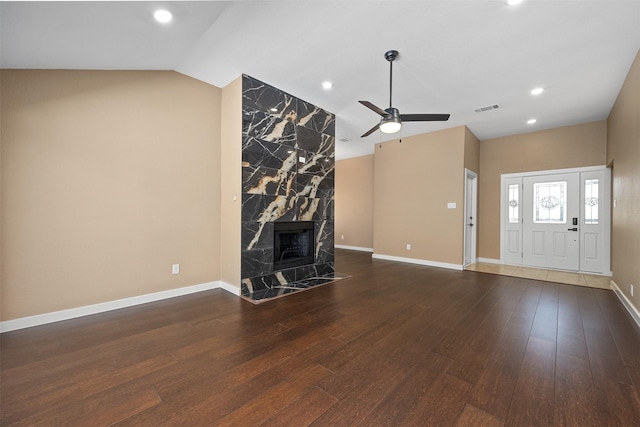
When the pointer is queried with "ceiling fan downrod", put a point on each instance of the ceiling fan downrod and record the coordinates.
(390, 56)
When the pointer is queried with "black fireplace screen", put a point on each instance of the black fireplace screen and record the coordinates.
(292, 244)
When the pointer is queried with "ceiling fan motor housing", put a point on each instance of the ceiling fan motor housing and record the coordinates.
(392, 114)
(391, 55)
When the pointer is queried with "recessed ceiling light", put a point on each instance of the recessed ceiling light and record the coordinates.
(163, 16)
(513, 2)
(327, 85)
(531, 121)
(537, 91)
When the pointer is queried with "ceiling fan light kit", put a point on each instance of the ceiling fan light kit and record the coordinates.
(391, 120)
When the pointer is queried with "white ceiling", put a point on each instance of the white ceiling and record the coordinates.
(455, 56)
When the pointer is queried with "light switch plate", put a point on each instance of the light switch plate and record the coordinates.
(451, 205)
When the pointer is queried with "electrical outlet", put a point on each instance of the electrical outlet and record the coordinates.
(342, 236)
(631, 289)
(175, 269)
(408, 246)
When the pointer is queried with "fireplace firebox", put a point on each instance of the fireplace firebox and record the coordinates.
(293, 244)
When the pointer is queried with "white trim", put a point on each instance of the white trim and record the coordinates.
(419, 261)
(353, 248)
(633, 311)
(489, 260)
(230, 288)
(555, 171)
(72, 313)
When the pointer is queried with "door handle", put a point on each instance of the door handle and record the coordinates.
(573, 229)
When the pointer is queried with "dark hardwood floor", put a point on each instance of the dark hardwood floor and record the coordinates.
(393, 345)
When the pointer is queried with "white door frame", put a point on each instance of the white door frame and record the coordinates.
(605, 213)
(470, 216)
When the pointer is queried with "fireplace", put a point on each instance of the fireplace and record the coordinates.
(293, 244)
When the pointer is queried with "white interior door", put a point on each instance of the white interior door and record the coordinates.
(470, 212)
(550, 211)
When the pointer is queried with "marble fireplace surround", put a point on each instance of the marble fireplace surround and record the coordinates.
(288, 161)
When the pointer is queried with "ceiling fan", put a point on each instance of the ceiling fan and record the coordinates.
(391, 120)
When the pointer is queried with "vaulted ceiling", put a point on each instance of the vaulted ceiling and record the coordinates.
(455, 56)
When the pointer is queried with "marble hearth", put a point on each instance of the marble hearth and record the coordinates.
(287, 176)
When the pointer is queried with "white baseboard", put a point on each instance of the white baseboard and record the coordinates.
(72, 313)
(489, 260)
(419, 261)
(354, 248)
(633, 311)
(230, 288)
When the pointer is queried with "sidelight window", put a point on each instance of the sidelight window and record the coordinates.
(590, 201)
(514, 202)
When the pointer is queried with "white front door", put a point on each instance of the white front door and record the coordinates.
(557, 219)
(550, 213)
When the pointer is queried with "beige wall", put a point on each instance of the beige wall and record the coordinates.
(231, 181)
(565, 147)
(413, 182)
(471, 151)
(623, 150)
(354, 202)
(108, 178)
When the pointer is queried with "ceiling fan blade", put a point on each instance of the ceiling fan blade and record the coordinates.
(424, 117)
(370, 131)
(373, 107)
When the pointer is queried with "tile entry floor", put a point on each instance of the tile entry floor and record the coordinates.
(566, 277)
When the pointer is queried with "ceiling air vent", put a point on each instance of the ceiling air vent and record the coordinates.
(487, 108)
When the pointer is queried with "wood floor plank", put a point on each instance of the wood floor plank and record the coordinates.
(571, 339)
(545, 323)
(533, 397)
(355, 405)
(364, 342)
(441, 404)
(303, 411)
(402, 400)
(277, 398)
(102, 409)
(469, 361)
(494, 388)
(575, 397)
(394, 344)
(472, 416)
(78, 387)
